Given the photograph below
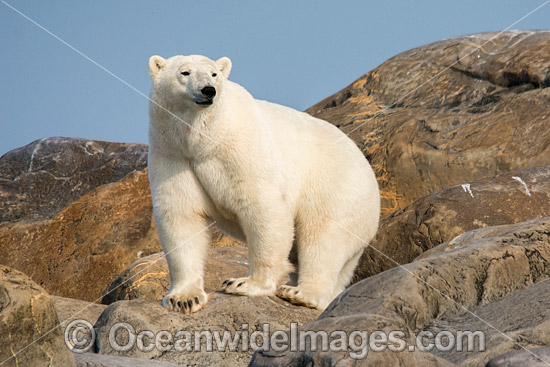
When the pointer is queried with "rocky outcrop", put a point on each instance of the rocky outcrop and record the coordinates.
(508, 198)
(450, 112)
(43, 177)
(28, 324)
(148, 278)
(459, 289)
(234, 315)
(82, 248)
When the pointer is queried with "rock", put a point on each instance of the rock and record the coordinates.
(536, 357)
(450, 112)
(408, 359)
(223, 313)
(82, 248)
(481, 234)
(29, 324)
(439, 217)
(43, 177)
(482, 275)
(505, 323)
(99, 360)
(148, 277)
(74, 309)
(74, 313)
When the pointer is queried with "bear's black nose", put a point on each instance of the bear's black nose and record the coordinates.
(208, 92)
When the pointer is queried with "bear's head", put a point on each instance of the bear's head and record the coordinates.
(188, 82)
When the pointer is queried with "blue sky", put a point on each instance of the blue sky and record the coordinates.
(294, 53)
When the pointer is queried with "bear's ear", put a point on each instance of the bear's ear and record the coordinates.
(224, 65)
(156, 63)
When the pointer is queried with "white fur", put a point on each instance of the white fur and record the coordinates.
(263, 173)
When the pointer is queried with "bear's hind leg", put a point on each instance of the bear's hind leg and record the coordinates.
(269, 241)
(262, 279)
(327, 260)
(344, 279)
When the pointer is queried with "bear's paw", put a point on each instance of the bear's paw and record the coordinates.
(303, 297)
(248, 286)
(185, 302)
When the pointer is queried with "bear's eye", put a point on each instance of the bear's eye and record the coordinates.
(214, 75)
(185, 73)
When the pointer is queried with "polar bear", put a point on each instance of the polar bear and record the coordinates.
(294, 188)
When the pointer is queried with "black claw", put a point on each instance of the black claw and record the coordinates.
(225, 282)
(179, 304)
(197, 300)
(172, 302)
(229, 283)
(190, 303)
(241, 283)
(185, 305)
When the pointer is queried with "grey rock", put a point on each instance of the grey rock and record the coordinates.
(536, 357)
(413, 297)
(74, 309)
(223, 313)
(518, 321)
(99, 360)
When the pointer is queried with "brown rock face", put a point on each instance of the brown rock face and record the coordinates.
(28, 324)
(500, 276)
(426, 121)
(439, 217)
(83, 247)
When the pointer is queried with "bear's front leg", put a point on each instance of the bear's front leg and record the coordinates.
(269, 235)
(185, 241)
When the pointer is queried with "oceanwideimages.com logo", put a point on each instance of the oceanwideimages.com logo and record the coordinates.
(80, 338)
